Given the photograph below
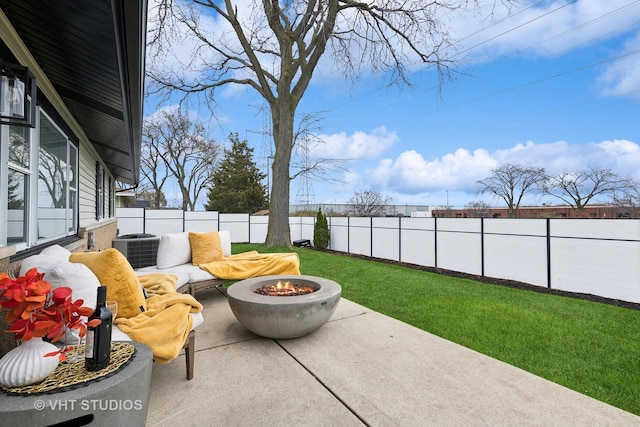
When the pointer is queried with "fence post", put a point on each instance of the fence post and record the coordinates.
(348, 234)
(435, 241)
(400, 239)
(371, 236)
(482, 247)
(549, 253)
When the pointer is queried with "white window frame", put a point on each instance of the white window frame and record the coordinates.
(71, 215)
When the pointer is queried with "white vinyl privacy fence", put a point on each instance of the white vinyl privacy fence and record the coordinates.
(600, 257)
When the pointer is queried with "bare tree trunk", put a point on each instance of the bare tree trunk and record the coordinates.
(278, 45)
(278, 232)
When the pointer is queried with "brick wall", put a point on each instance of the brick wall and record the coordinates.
(103, 234)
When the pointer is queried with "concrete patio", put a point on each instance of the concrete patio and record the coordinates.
(361, 368)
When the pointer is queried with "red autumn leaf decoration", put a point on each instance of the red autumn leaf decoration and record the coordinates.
(35, 311)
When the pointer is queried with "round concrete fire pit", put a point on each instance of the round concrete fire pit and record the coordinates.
(283, 317)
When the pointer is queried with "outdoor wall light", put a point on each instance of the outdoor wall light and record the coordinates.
(17, 95)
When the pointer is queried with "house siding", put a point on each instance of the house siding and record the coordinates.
(104, 229)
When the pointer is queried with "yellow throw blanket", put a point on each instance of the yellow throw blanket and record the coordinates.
(166, 323)
(253, 264)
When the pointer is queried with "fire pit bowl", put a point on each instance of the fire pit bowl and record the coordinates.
(283, 317)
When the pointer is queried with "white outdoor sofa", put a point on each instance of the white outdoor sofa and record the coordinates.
(174, 257)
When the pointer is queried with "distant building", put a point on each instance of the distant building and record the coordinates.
(338, 209)
(125, 198)
(562, 211)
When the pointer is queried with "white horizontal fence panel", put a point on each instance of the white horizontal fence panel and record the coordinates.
(512, 226)
(201, 221)
(516, 249)
(621, 229)
(258, 229)
(385, 238)
(605, 266)
(307, 225)
(339, 232)
(588, 256)
(130, 220)
(459, 245)
(360, 235)
(301, 227)
(162, 221)
(295, 228)
(417, 241)
(237, 224)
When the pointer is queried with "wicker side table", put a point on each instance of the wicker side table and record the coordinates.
(116, 400)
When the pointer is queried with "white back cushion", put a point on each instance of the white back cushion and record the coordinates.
(173, 249)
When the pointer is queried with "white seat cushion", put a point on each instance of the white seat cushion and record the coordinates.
(200, 275)
(192, 272)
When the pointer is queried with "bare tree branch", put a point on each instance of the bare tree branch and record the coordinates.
(275, 47)
(368, 203)
(577, 189)
(511, 182)
(176, 146)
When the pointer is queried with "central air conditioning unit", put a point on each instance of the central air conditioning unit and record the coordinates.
(140, 249)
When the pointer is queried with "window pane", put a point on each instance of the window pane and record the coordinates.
(16, 208)
(52, 173)
(19, 146)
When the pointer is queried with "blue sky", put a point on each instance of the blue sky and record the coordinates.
(556, 84)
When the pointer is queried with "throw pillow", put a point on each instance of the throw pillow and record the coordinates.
(173, 249)
(205, 247)
(56, 251)
(83, 283)
(44, 264)
(114, 271)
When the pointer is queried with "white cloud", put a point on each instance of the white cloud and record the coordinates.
(620, 155)
(622, 77)
(608, 28)
(358, 145)
(410, 173)
(547, 30)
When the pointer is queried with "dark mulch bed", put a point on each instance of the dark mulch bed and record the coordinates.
(494, 281)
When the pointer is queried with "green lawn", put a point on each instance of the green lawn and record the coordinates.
(590, 347)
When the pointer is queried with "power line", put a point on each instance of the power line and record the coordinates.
(587, 23)
(510, 30)
(615, 11)
(379, 88)
(530, 83)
